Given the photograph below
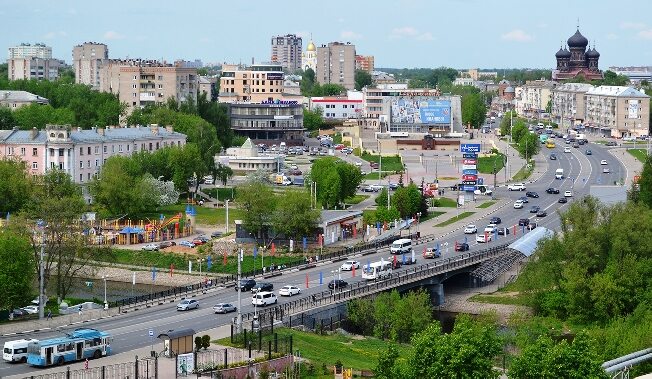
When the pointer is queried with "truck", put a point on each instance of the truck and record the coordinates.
(559, 173)
(281, 180)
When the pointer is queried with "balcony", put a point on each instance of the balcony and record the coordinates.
(147, 96)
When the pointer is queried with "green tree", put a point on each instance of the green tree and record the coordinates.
(258, 202)
(17, 274)
(312, 119)
(329, 190)
(307, 82)
(519, 129)
(15, 186)
(114, 190)
(330, 89)
(360, 316)
(362, 79)
(645, 183)
(547, 360)
(474, 110)
(386, 368)
(7, 120)
(223, 173)
(336, 180)
(529, 145)
(507, 122)
(408, 201)
(381, 199)
(37, 116)
(294, 216)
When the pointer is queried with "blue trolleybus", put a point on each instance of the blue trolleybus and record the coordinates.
(76, 346)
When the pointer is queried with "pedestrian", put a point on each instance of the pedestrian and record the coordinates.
(86, 364)
(49, 314)
(314, 298)
(80, 311)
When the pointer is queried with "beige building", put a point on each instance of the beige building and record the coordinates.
(617, 111)
(532, 98)
(207, 86)
(256, 83)
(568, 106)
(247, 158)
(286, 51)
(364, 63)
(33, 68)
(87, 60)
(336, 64)
(143, 82)
(17, 99)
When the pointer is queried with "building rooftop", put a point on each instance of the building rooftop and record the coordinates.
(22, 96)
(618, 91)
(574, 87)
(93, 135)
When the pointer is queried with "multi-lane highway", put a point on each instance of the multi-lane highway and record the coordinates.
(130, 331)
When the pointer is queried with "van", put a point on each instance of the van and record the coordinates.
(16, 351)
(559, 174)
(401, 246)
(262, 299)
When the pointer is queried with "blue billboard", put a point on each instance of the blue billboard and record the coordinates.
(470, 148)
(470, 172)
(420, 110)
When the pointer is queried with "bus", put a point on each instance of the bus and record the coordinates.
(401, 246)
(81, 344)
(377, 270)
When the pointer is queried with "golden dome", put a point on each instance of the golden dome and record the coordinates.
(311, 47)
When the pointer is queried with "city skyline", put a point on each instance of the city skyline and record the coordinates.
(405, 33)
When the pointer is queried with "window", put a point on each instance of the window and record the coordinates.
(97, 149)
(22, 151)
(113, 148)
(61, 152)
(160, 86)
(88, 163)
(34, 152)
(10, 151)
(89, 150)
(81, 151)
(34, 165)
(150, 146)
(135, 77)
(81, 177)
(160, 77)
(128, 147)
(120, 148)
(97, 163)
(81, 164)
(157, 146)
(105, 148)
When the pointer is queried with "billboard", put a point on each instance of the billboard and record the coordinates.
(420, 110)
(469, 167)
(470, 172)
(470, 148)
(469, 177)
(274, 76)
(469, 161)
(470, 155)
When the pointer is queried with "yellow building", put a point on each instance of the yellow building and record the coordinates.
(255, 84)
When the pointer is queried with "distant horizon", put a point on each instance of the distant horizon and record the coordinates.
(398, 33)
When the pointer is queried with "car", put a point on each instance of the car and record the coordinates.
(490, 228)
(264, 298)
(552, 190)
(568, 194)
(31, 309)
(337, 283)
(603, 162)
(588, 152)
(186, 244)
(18, 312)
(187, 304)
(553, 157)
(200, 240)
(224, 308)
(516, 187)
(518, 204)
(567, 149)
(562, 200)
(532, 194)
(461, 246)
(367, 189)
(350, 265)
(216, 234)
(151, 247)
(396, 264)
(166, 244)
(262, 287)
(524, 199)
(470, 229)
(531, 226)
(374, 165)
(495, 220)
(535, 209)
(431, 253)
(576, 145)
(482, 238)
(245, 285)
(523, 221)
(611, 143)
(393, 186)
(502, 231)
(376, 187)
(289, 291)
(542, 213)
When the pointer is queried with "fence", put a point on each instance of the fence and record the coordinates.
(139, 369)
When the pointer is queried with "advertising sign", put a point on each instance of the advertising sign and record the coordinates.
(469, 167)
(470, 161)
(185, 363)
(420, 110)
(274, 76)
(469, 188)
(470, 172)
(470, 155)
(633, 109)
(469, 177)
(470, 148)
(469, 182)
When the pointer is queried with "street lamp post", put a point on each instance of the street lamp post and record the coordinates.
(238, 322)
(106, 303)
(41, 294)
(227, 215)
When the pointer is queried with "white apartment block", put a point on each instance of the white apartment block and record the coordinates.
(617, 111)
(27, 62)
(87, 60)
(25, 50)
(532, 99)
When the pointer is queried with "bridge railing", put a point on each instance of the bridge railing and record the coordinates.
(361, 289)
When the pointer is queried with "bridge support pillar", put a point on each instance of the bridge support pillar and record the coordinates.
(437, 293)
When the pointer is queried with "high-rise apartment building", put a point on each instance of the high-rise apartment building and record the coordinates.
(364, 63)
(146, 82)
(32, 62)
(256, 83)
(336, 64)
(87, 59)
(286, 50)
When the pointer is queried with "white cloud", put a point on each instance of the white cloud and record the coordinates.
(645, 34)
(53, 35)
(632, 25)
(111, 35)
(612, 36)
(350, 35)
(517, 35)
(410, 32)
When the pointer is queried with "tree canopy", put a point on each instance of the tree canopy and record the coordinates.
(17, 274)
(336, 180)
(362, 79)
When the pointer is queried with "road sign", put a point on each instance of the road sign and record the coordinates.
(470, 148)
(469, 167)
(470, 172)
(151, 332)
(470, 161)
(469, 188)
(470, 182)
(469, 177)
(480, 180)
(470, 155)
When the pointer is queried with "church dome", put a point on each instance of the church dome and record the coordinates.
(577, 40)
(563, 53)
(311, 47)
(592, 53)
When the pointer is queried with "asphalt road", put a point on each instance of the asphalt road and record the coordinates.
(130, 331)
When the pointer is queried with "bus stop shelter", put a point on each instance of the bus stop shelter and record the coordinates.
(177, 342)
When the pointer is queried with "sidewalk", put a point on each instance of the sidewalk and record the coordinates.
(632, 165)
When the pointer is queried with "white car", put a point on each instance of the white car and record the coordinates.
(349, 265)
(603, 162)
(289, 291)
(151, 247)
(31, 309)
(605, 170)
(470, 229)
(187, 304)
(567, 149)
(518, 204)
(516, 187)
(490, 228)
(481, 238)
(568, 194)
(376, 187)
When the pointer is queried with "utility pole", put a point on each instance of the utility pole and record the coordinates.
(41, 295)
(227, 215)
(493, 193)
(238, 322)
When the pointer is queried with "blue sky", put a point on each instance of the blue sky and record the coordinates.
(399, 33)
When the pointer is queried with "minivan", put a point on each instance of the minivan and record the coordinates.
(401, 246)
(262, 299)
(16, 351)
(559, 174)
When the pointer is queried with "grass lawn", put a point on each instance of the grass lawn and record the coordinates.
(486, 204)
(431, 215)
(356, 199)
(224, 193)
(392, 164)
(374, 175)
(524, 173)
(486, 164)
(360, 353)
(205, 215)
(640, 154)
(455, 219)
(445, 202)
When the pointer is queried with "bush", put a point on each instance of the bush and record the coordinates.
(205, 341)
(198, 343)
